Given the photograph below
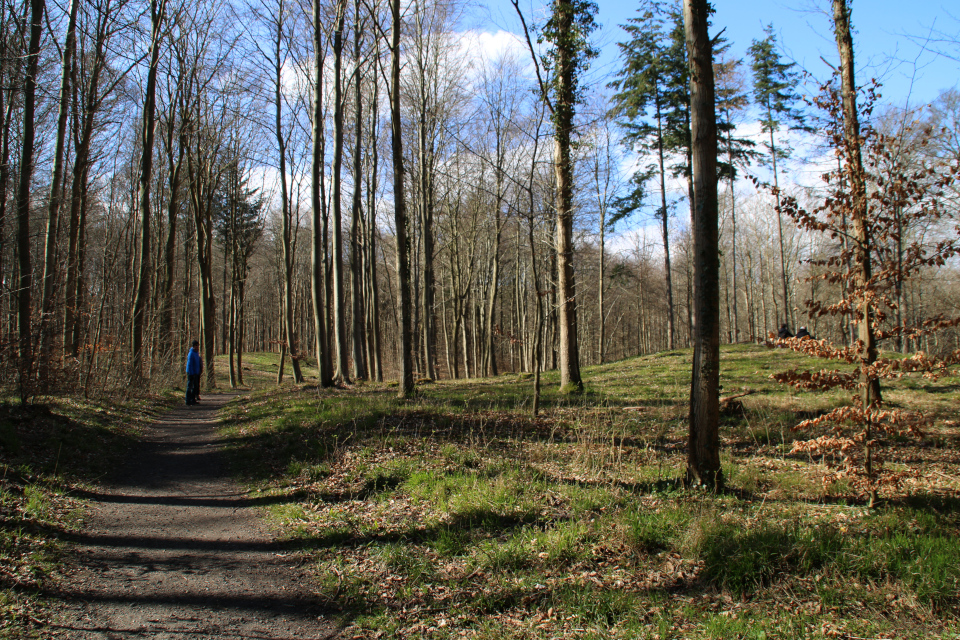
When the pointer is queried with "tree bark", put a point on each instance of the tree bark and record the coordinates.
(399, 209)
(25, 278)
(339, 313)
(570, 380)
(286, 210)
(157, 8)
(703, 455)
(56, 185)
(316, 202)
(356, 250)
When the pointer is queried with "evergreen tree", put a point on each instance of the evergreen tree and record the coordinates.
(653, 106)
(239, 221)
(774, 91)
(732, 100)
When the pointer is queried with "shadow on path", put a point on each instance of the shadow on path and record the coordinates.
(174, 549)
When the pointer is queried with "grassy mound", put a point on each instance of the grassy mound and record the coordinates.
(454, 514)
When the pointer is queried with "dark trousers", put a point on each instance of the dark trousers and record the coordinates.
(193, 388)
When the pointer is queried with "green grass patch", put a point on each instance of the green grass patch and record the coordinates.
(455, 514)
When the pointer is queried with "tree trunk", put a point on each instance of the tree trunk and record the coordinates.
(174, 168)
(373, 298)
(783, 259)
(286, 213)
(665, 231)
(570, 380)
(318, 237)
(703, 455)
(157, 8)
(399, 209)
(56, 187)
(84, 120)
(356, 250)
(870, 395)
(339, 313)
(25, 278)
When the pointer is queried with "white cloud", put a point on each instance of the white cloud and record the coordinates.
(483, 47)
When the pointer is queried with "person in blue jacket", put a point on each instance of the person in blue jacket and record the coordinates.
(194, 369)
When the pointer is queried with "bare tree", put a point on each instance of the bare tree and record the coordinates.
(567, 30)
(56, 184)
(148, 130)
(400, 208)
(318, 235)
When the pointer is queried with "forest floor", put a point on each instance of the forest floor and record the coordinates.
(455, 513)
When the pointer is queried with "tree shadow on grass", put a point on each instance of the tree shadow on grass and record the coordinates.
(48, 442)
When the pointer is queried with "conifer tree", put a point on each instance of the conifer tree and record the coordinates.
(653, 106)
(736, 152)
(774, 90)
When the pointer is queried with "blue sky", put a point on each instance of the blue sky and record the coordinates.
(887, 37)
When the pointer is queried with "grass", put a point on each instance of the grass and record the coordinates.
(455, 514)
(47, 449)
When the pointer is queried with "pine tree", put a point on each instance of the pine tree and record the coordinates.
(774, 90)
(239, 222)
(736, 152)
(653, 105)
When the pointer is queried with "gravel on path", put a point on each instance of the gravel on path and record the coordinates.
(174, 550)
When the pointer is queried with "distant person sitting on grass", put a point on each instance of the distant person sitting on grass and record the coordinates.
(803, 333)
(194, 369)
(784, 333)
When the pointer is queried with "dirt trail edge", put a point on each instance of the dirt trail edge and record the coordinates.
(174, 550)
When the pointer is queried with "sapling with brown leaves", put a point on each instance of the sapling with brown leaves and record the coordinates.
(902, 193)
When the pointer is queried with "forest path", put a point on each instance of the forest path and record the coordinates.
(175, 550)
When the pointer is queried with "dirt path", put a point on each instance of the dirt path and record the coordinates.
(174, 550)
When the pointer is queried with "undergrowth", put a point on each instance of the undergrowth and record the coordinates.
(455, 514)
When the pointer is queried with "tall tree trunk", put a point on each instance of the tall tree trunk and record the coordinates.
(174, 168)
(286, 211)
(783, 259)
(870, 395)
(340, 320)
(316, 203)
(602, 268)
(665, 230)
(425, 152)
(703, 454)
(25, 279)
(570, 380)
(157, 8)
(56, 186)
(733, 236)
(400, 209)
(356, 226)
(6, 321)
(83, 120)
(373, 298)
(6, 112)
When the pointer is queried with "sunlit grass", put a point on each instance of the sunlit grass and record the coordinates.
(455, 514)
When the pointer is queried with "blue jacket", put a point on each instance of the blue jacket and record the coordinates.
(194, 365)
